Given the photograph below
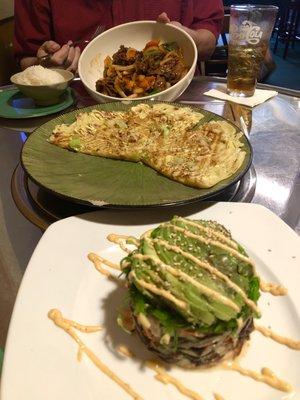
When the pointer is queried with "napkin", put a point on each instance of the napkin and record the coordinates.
(259, 96)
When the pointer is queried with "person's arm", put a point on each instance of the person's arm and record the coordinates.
(32, 28)
(207, 22)
(205, 27)
(205, 42)
(32, 33)
(204, 39)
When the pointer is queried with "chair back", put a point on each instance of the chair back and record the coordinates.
(287, 25)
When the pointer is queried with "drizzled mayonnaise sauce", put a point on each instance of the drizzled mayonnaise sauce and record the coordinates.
(210, 232)
(159, 292)
(161, 374)
(180, 274)
(67, 325)
(211, 269)
(125, 351)
(95, 257)
(83, 328)
(114, 238)
(217, 396)
(273, 288)
(265, 375)
(165, 378)
(212, 242)
(98, 261)
(291, 343)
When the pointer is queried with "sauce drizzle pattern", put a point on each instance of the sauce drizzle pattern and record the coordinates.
(202, 288)
(210, 268)
(161, 374)
(291, 343)
(273, 288)
(114, 238)
(97, 261)
(159, 292)
(217, 396)
(211, 232)
(207, 241)
(57, 317)
(266, 376)
(165, 378)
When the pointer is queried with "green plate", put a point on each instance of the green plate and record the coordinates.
(105, 182)
(14, 104)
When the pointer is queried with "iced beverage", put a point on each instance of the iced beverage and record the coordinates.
(250, 30)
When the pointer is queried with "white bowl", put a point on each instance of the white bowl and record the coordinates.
(135, 34)
(45, 95)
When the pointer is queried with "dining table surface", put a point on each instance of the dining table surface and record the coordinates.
(273, 129)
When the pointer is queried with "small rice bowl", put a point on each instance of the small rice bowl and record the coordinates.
(37, 75)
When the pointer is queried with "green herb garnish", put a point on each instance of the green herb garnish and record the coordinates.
(154, 91)
(170, 46)
(75, 144)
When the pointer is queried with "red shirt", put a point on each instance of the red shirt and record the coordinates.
(61, 20)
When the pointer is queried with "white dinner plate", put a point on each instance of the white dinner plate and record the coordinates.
(41, 359)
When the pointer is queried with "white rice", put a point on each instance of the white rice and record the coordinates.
(38, 75)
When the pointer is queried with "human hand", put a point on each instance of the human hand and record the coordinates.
(203, 38)
(163, 17)
(51, 54)
(71, 62)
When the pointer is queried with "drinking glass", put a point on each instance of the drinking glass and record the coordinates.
(250, 30)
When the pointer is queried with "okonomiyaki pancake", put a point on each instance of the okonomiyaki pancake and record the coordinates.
(172, 140)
